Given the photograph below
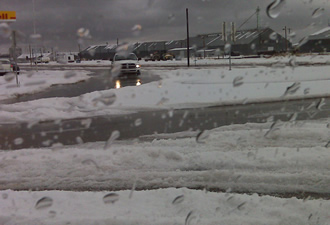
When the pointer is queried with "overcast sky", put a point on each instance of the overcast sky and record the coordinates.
(58, 21)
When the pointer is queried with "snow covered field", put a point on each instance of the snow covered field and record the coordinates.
(182, 88)
(303, 59)
(282, 158)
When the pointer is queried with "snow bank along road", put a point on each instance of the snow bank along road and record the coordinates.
(285, 158)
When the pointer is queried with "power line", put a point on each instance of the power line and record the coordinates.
(256, 12)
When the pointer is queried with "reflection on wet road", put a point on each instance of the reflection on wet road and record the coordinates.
(123, 82)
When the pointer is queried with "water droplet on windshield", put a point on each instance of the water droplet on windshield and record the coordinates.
(137, 29)
(107, 98)
(110, 198)
(190, 217)
(274, 127)
(202, 136)
(90, 162)
(217, 52)
(132, 190)
(273, 36)
(115, 70)
(51, 214)
(79, 140)
(5, 30)
(240, 206)
(69, 74)
(320, 104)
(317, 13)
(327, 145)
(83, 33)
(124, 49)
(4, 195)
(306, 91)
(44, 202)
(178, 200)
(293, 62)
(9, 77)
(86, 122)
(18, 141)
(292, 89)
(238, 81)
(162, 101)
(293, 117)
(171, 113)
(171, 18)
(278, 64)
(292, 34)
(35, 36)
(114, 135)
(227, 48)
(274, 9)
(138, 122)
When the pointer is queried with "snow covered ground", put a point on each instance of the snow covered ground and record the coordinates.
(292, 158)
(303, 59)
(32, 82)
(183, 88)
(282, 157)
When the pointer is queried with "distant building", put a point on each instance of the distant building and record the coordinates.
(66, 57)
(247, 42)
(317, 42)
(95, 52)
(33, 57)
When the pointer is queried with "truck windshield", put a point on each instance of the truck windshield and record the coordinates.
(122, 57)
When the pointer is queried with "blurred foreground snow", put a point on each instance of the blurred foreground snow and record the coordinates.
(238, 158)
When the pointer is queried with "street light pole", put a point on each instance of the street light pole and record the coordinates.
(188, 53)
(204, 46)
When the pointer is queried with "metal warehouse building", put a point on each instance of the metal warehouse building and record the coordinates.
(247, 42)
(317, 42)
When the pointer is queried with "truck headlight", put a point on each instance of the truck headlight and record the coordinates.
(138, 66)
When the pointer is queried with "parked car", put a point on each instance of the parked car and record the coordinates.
(127, 65)
(7, 66)
(168, 56)
(42, 59)
(4, 66)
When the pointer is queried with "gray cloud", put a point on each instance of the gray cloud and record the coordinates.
(58, 21)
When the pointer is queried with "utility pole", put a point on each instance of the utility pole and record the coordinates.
(203, 37)
(188, 53)
(14, 56)
(286, 38)
(258, 11)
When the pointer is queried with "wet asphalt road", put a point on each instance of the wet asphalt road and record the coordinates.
(100, 80)
(73, 131)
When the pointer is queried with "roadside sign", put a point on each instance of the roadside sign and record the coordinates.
(7, 16)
